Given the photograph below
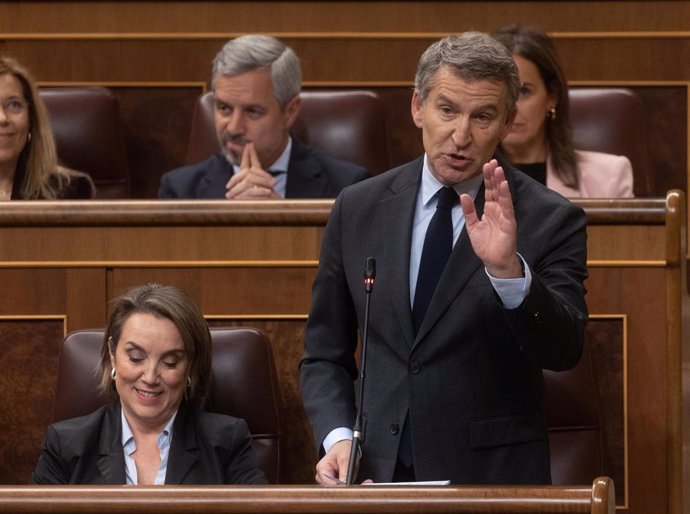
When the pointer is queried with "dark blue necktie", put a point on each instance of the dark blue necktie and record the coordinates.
(438, 244)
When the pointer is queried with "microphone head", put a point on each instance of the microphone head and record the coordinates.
(370, 268)
(369, 274)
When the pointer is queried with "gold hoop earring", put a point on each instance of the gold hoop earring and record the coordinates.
(113, 373)
(551, 114)
(189, 383)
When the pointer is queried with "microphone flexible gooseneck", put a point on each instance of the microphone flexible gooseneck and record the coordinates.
(358, 433)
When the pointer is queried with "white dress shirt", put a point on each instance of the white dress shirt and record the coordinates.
(129, 446)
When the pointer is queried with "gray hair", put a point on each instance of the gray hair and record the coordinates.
(254, 51)
(470, 56)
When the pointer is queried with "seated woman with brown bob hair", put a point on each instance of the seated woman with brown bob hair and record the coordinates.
(156, 363)
(29, 168)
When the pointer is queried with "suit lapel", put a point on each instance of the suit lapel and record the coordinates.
(508, 171)
(111, 458)
(396, 243)
(215, 179)
(184, 451)
(304, 178)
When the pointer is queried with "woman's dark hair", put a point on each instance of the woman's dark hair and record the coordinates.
(534, 45)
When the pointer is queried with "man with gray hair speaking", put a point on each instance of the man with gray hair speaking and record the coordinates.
(479, 286)
(256, 82)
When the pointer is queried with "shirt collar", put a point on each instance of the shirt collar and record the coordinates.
(281, 163)
(128, 437)
(431, 185)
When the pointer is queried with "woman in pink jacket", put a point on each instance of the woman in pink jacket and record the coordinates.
(540, 142)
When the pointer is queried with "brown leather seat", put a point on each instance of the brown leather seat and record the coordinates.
(88, 134)
(611, 120)
(244, 384)
(349, 125)
(572, 416)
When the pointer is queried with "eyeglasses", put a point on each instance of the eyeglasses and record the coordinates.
(14, 106)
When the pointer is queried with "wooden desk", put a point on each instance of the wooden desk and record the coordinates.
(597, 499)
(253, 264)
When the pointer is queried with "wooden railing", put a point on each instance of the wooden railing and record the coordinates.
(598, 499)
(252, 264)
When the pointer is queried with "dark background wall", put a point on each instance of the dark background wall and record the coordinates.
(156, 56)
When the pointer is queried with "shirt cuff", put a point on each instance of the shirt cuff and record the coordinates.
(335, 435)
(512, 291)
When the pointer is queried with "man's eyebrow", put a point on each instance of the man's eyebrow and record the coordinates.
(444, 99)
(258, 107)
(487, 107)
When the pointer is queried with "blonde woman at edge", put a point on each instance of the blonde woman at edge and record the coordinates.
(29, 168)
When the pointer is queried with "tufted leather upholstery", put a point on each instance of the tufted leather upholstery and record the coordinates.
(349, 125)
(611, 120)
(244, 384)
(87, 130)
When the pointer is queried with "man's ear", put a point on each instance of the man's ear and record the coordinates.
(292, 110)
(510, 119)
(416, 108)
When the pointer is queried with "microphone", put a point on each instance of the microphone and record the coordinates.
(358, 433)
(369, 277)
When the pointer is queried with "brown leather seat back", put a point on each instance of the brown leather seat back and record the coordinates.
(89, 137)
(202, 137)
(610, 120)
(572, 416)
(243, 384)
(77, 392)
(349, 125)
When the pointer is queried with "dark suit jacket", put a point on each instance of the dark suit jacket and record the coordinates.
(206, 448)
(310, 174)
(471, 378)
